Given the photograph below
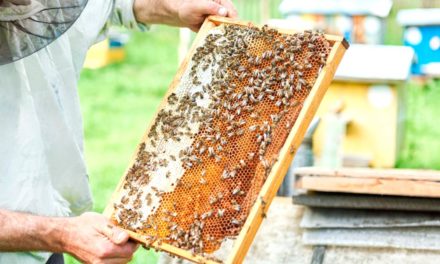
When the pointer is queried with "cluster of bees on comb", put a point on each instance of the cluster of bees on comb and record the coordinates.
(213, 144)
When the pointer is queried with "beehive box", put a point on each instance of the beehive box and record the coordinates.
(209, 165)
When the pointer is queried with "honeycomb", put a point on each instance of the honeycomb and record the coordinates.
(215, 140)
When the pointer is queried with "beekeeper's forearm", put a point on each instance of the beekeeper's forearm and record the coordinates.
(26, 232)
(182, 13)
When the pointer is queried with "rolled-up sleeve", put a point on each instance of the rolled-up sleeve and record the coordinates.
(120, 13)
(123, 15)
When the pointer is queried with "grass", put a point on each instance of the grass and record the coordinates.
(118, 102)
(421, 147)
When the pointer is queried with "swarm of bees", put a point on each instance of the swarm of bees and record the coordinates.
(213, 145)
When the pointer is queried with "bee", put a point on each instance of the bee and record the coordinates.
(124, 200)
(251, 155)
(148, 199)
(202, 150)
(168, 174)
(212, 199)
(172, 98)
(236, 191)
(242, 76)
(253, 128)
(236, 207)
(211, 152)
(265, 164)
(263, 202)
(256, 73)
(292, 150)
(254, 115)
(217, 136)
(257, 61)
(206, 215)
(235, 222)
(220, 212)
(267, 54)
(173, 158)
(242, 163)
(203, 181)
(225, 174)
(275, 118)
(166, 219)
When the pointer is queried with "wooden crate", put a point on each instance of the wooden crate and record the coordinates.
(275, 177)
(401, 182)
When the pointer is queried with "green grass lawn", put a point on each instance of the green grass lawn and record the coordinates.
(119, 101)
(421, 147)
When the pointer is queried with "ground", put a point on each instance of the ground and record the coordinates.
(119, 101)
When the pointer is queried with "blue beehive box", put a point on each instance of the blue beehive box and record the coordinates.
(422, 33)
(359, 21)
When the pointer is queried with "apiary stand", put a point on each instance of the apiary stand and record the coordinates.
(274, 179)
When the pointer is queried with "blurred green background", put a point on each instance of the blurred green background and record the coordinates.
(118, 102)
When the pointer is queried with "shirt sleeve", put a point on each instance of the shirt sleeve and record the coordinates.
(123, 15)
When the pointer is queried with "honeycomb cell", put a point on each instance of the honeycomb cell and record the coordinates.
(219, 136)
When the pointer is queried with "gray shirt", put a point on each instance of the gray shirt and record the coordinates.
(42, 165)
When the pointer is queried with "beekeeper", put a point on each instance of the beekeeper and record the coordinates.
(43, 176)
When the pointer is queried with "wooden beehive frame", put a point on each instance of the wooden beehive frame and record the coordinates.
(270, 187)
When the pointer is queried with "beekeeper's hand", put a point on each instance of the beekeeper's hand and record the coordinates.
(181, 13)
(92, 239)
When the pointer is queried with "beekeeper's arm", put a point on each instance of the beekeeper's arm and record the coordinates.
(89, 237)
(184, 13)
